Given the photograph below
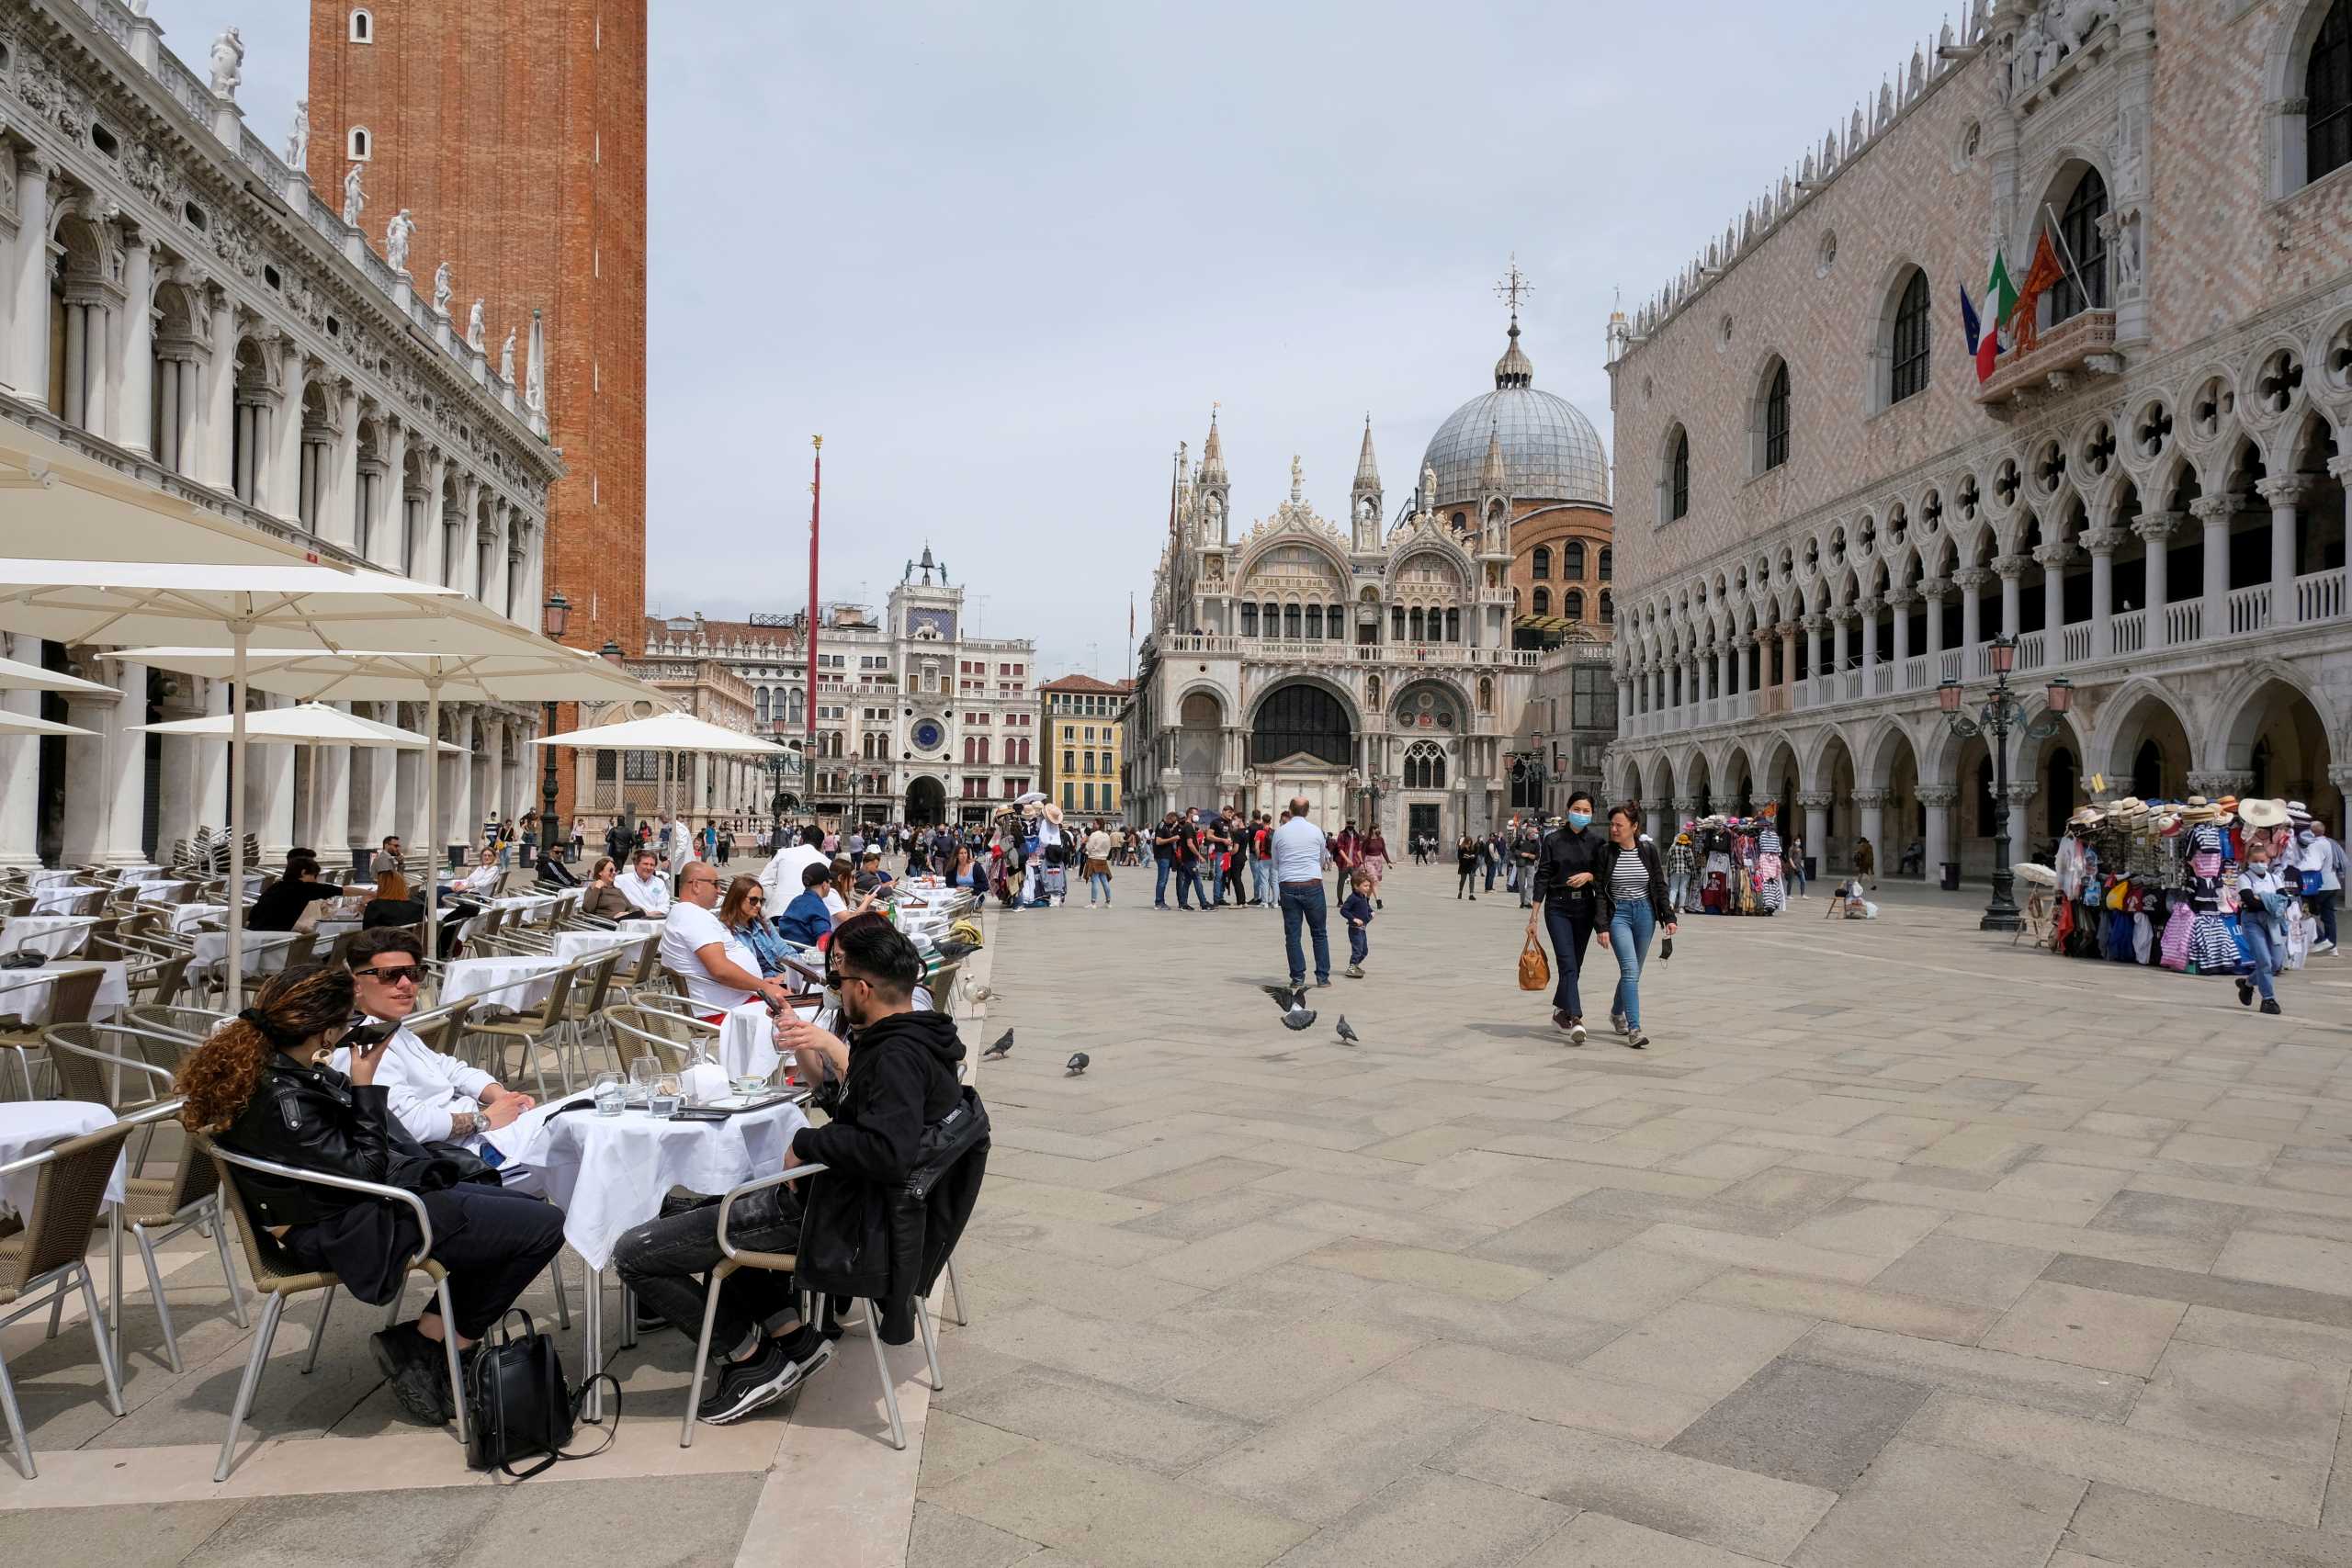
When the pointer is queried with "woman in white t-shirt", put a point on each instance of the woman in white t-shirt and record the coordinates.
(717, 967)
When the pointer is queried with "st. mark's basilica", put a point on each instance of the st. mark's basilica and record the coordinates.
(1389, 668)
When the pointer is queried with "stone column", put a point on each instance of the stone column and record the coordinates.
(457, 825)
(2053, 559)
(1867, 625)
(272, 768)
(1625, 702)
(175, 777)
(20, 774)
(107, 798)
(331, 797)
(1840, 620)
(2011, 571)
(2156, 529)
(1939, 799)
(2102, 543)
(1815, 804)
(133, 400)
(28, 361)
(2214, 783)
(387, 529)
(1871, 804)
(1933, 590)
(2213, 513)
(216, 428)
(2021, 794)
(209, 768)
(284, 483)
(1972, 581)
(1789, 676)
(2285, 494)
(1900, 602)
(1686, 808)
(338, 516)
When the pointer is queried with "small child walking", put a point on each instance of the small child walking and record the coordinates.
(1356, 909)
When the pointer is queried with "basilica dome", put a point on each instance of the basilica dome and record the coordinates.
(1551, 452)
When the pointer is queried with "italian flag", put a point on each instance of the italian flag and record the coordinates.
(2000, 302)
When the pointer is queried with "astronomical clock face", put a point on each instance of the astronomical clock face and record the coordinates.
(940, 624)
(928, 734)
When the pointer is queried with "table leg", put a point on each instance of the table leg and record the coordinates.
(114, 1239)
(591, 1348)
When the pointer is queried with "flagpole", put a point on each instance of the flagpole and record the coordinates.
(2073, 266)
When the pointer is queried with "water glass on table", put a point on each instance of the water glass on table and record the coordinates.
(611, 1096)
(642, 1071)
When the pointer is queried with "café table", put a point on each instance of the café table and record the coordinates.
(609, 1174)
(747, 1042)
(53, 936)
(29, 993)
(46, 876)
(187, 916)
(573, 946)
(519, 983)
(60, 897)
(264, 951)
(28, 1128)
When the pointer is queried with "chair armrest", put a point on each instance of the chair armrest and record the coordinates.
(151, 1113)
(727, 1204)
(96, 1056)
(344, 1183)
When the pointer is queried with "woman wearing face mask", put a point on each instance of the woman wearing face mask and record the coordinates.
(1634, 907)
(1566, 869)
(2325, 868)
(2263, 906)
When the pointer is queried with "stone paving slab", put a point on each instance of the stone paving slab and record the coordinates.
(1899, 1247)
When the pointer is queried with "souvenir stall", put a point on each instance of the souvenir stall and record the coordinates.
(2157, 883)
(1739, 865)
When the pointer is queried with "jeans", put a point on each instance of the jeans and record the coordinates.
(1468, 884)
(1526, 886)
(1159, 892)
(1304, 901)
(493, 1242)
(1569, 933)
(1099, 882)
(2269, 954)
(1359, 945)
(1678, 884)
(1206, 887)
(662, 1261)
(1184, 887)
(1492, 866)
(1262, 876)
(1630, 930)
(2323, 908)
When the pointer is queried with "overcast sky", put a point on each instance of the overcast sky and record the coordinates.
(1004, 257)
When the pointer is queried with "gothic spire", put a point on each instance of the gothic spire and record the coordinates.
(1367, 470)
(1490, 472)
(1213, 456)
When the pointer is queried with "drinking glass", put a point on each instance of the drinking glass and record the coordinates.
(610, 1097)
(641, 1073)
(666, 1096)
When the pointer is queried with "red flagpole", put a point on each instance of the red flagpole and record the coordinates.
(816, 497)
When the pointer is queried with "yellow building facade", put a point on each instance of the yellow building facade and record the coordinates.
(1080, 720)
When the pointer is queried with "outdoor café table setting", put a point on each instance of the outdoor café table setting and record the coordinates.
(521, 983)
(611, 1152)
(187, 916)
(58, 897)
(27, 1127)
(573, 946)
(264, 952)
(28, 993)
(52, 936)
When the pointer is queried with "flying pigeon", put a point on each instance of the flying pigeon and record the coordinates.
(1345, 1032)
(1077, 1062)
(1298, 1015)
(1004, 1047)
(1281, 994)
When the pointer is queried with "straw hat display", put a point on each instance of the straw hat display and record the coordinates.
(2086, 816)
(2263, 813)
(2199, 809)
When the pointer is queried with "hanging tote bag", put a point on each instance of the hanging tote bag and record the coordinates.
(1534, 969)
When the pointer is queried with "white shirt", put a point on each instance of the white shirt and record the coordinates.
(426, 1088)
(781, 879)
(688, 929)
(482, 879)
(650, 894)
(836, 903)
(1300, 849)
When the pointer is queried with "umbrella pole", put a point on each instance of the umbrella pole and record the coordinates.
(235, 897)
(432, 817)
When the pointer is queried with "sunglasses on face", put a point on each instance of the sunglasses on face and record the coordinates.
(399, 973)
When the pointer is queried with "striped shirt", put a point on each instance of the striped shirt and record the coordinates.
(1629, 883)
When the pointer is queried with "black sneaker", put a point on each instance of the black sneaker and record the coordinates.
(2270, 1006)
(414, 1367)
(741, 1387)
(2245, 993)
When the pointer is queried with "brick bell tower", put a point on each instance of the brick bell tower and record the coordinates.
(513, 133)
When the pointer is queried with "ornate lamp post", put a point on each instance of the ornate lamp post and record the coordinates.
(555, 616)
(1995, 717)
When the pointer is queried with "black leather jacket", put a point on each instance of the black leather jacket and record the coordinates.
(318, 1118)
(1567, 852)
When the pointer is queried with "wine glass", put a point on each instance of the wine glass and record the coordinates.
(641, 1073)
(610, 1097)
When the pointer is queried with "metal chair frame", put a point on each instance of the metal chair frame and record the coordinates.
(50, 1286)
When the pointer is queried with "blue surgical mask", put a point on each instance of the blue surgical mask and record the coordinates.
(1579, 820)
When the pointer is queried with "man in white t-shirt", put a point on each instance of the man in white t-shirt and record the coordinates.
(718, 967)
(437, 1099)
(644, 885)
(781, 878)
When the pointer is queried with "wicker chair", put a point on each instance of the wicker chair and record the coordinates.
(673, 1039)
(71, 997)
(44, 1260)
(536, 1030)
(191, 1024)
(279, 1277)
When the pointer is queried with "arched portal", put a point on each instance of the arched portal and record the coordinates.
(2276, 738)
(1302, 742)
(926, 802)
(2147, 743)
(1200, 746)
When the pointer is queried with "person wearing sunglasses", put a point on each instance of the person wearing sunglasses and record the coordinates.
(744, 913)
(437, 1099)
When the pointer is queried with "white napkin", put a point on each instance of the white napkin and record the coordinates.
(705, 1081)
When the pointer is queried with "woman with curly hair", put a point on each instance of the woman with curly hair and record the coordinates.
(261, 1085)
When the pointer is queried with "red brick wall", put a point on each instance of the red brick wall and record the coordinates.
(513, 130)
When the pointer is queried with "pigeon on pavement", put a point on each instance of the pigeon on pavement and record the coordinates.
(1004, 1047)
(1077, 1062)
(1298, 1015)
(1345, 1032)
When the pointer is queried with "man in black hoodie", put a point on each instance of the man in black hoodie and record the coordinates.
(895, 1077)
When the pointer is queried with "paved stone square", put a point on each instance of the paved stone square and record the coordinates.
(1900, 1246)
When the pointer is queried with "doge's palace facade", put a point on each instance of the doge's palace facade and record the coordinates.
(177, 305)
(1824, 515)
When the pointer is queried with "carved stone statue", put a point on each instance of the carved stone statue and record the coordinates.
(507, 358)
(298, 145)
(354, 201)
(397, 235)
(441, 289)
(1429, 487)
(2081, 18)
(1297, 477)
(227, 64)
(473, 327)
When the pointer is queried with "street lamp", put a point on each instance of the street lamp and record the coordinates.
(555, 616)
(779, 766)
(1996, 716)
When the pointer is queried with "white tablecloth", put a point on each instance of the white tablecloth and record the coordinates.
(747, 1042)
(28, 1129)
(573, 946)
(494, 980)
(145, 874)
(28, 993)
(165, 890)
(57, 936)
(264, 952)
(608, 1173)
(187, 916)
(58, 897)
(47, 874)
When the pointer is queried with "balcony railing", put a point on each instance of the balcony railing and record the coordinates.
(2033, 650)
(2319, 596)
(2128, 633)
(2249, 609)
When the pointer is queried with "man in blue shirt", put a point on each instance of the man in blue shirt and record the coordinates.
(807, 918)
(1300, 854)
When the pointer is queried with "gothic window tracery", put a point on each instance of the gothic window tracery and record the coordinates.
(2328, 94)
(1424, 765)
(2082, 250)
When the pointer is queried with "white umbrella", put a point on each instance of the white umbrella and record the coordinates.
(61, 502)
(20, 677)
(288, 606)
(663, 732)
(24, 724)
(523, 668)
(305, 724)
